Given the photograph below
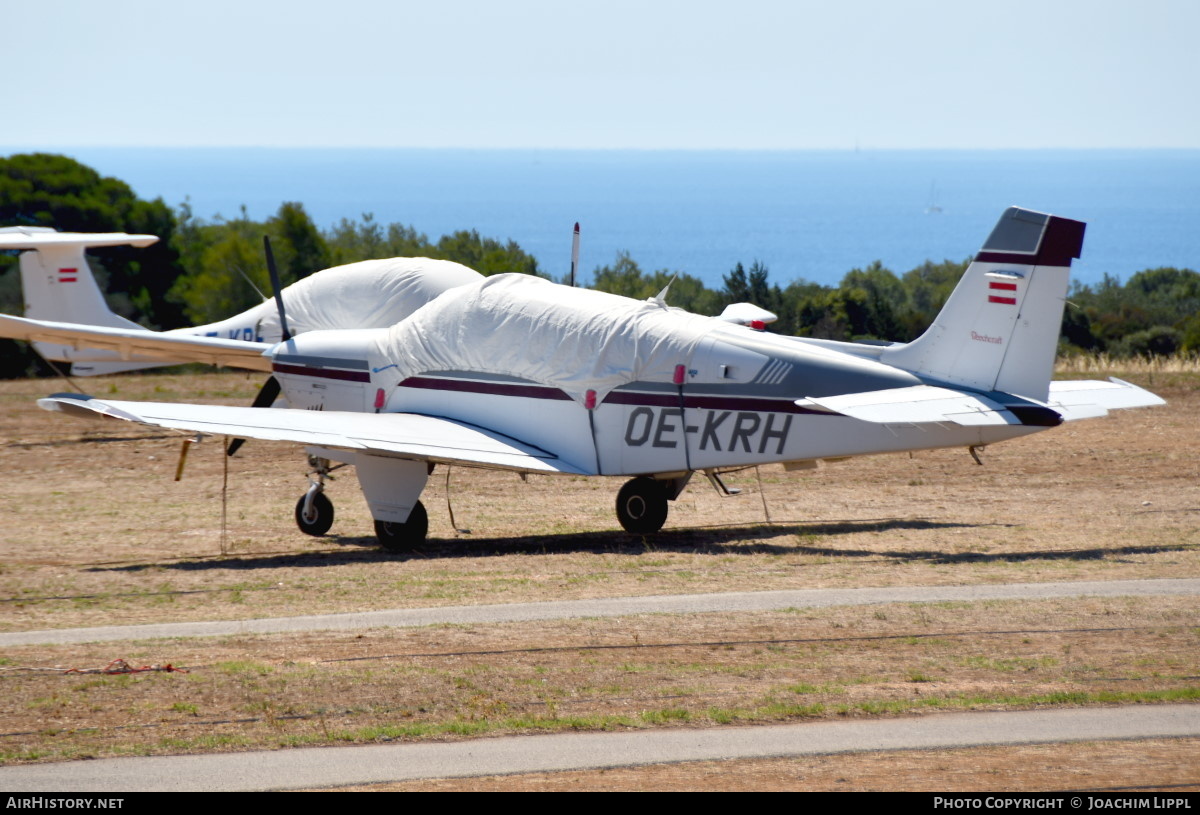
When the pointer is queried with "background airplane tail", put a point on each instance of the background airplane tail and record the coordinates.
(999, 329)
(58, 284)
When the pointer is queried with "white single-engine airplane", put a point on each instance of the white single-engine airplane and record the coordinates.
(518, 373)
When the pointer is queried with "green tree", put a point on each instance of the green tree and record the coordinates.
(737, 287)
(623, 277)
(626, 278)
(352, 241)
(227, 272)
(302, 248)
(873, 299)
(1158, 341)
(927, 288)
(487, 256)
(761, 293)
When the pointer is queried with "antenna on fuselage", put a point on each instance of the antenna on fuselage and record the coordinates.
(574, 253)
(249, 282)
(660, 299)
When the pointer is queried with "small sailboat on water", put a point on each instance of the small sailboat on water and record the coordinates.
(932, 207)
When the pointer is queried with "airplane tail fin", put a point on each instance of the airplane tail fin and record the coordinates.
(999, 329)
(58, 284)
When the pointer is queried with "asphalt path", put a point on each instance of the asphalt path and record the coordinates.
(311, 768)
(341, 766)
(610, 607)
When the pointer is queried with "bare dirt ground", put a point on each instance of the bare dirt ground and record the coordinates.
(96, 532)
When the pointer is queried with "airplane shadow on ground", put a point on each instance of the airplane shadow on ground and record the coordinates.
(728, 540)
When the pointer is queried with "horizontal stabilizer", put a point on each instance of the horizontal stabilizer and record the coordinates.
(1088, 399)
(918, 404)
(136, 344)
(407, 435)
(25, 238)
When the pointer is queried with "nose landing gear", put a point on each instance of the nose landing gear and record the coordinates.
(314, 512)
(314, 515)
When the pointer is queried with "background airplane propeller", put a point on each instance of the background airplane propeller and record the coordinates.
(269, 392)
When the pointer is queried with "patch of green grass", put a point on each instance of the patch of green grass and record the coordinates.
(13, 756)
(803, 688)
(665, 716)
(1009, 664)
(242, 667)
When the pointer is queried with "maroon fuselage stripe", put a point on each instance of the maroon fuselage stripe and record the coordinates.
(495, 388)
(614, 398)
(322, 373)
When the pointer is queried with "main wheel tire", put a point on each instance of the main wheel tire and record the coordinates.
(401, 537)
(322, 512)
(642, 506)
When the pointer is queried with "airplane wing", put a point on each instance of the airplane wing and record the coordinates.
(408, 434)
(137, 344)
(920, 404)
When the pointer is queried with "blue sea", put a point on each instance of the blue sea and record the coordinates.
(810, 215)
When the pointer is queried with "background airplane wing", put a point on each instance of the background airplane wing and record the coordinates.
(22, 238)
(135, 344)
(409, 434)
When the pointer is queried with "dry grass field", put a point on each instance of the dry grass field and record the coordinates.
(95, 531)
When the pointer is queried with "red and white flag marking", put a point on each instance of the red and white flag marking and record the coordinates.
(1008, 300)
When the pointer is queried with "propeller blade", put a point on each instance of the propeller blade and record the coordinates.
(266, 397)
(267, 394)
(276, 287)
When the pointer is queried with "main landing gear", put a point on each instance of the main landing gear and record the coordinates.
(642, 505)
(314, 511)
(403, 537)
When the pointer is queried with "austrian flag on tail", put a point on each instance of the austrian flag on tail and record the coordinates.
(1008, 300)
(67, 275)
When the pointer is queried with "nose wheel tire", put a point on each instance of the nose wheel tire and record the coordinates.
(642, 506)
(320, 518)
(401, 537)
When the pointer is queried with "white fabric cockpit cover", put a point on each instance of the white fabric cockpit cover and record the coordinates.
(522, 326)
(368, 294)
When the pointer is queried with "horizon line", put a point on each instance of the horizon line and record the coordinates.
(24, 148)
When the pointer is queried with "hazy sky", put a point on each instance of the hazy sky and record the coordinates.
(610, 74)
